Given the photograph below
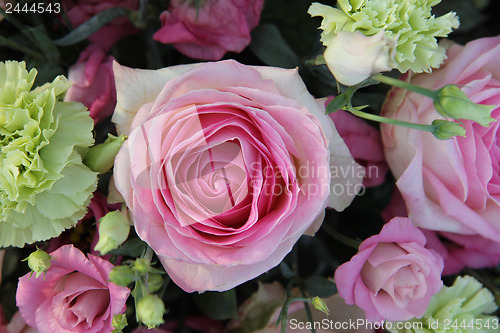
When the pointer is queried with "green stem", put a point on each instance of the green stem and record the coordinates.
(405, 85)
(341, 238)
(15, 46)
(380, 119)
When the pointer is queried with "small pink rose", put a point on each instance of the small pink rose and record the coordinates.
(393, 276)
(81, 11)
(74, 296)
(93, 83)
(207, 33)
(450, 186)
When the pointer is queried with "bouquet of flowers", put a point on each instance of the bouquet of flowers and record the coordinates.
(237, 166)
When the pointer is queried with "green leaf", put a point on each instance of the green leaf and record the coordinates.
(337, 103)
(217, 305)
(92, 25)
(270, 47)
(320, 286)
(132, 248)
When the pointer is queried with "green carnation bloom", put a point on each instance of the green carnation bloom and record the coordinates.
(44, 187)
(408, 21)
(463, 307)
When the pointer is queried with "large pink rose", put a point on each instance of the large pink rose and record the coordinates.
(81, 11)
(74, 296)
(208, 32)
(225, 167)
(452, 185)
(93, 83)
(393, 276)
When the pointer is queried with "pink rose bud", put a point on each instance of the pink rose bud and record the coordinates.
(393, 276)
(352, 57)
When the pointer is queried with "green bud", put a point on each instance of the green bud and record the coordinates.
(452, 102)
(101, 157)
(155, 282)
(150, 310)
(119, 322)
(122, 275)
(444, 129)
(141, 266)
(38, 262)
(320, 305)
(113, 231)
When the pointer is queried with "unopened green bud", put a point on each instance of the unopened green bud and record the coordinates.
(320, 305)
(101, 157)
(122, 276)
(444, 129)
(141, 266)
(155, 282)
(119, 322)
(113, 231)
(452, 102)
(38, 262)
(150, 310)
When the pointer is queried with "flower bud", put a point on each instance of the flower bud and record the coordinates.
(444, 129)
(352, 57)
(141, 266)
(119, 322)
(113, 231)
(38, 262)
(150, 310)
(101, 157)
(320, 305)
(155, 282)
(452, 102)
(122, 275)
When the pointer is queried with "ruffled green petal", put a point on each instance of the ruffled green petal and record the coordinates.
(44, 186)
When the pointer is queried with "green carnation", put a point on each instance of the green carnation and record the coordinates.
(408, 21)
(463, 307)
(44, 187)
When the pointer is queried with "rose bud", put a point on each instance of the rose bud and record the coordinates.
(113, 231)
(150, 310)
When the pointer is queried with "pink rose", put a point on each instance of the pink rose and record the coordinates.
(93, 83)
(451, 185)
(18, 325)
(207, 33)
(393, 276)
(108, 35)
(74, 296)
(364, 143)
(218, 170)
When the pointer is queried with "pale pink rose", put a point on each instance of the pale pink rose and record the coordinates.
(81, 11)
(74, 296)
(93, 83)
(393, 276)
(207, 33)
(218, 170)
(364, 143)
(451, 185)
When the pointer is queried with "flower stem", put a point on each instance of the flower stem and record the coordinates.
(380, 119)
(341, 238)
(15, 46)
(405, 85)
